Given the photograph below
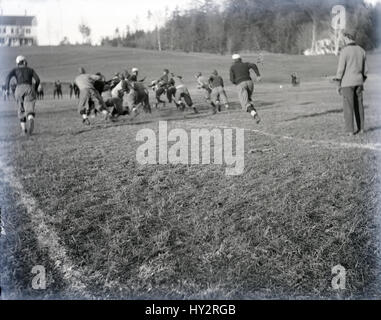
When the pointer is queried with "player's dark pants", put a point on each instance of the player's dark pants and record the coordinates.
(40, 95)
(183, 93)
(159, 92)
(353, 107)
(58, 93)
(138, 96)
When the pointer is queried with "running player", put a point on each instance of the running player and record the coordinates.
(240, 76)
(218, 94)
(25, 93)
(183, 97)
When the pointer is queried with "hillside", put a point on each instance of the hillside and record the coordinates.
(62, 62)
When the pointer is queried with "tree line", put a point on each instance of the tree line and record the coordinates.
(279, 26)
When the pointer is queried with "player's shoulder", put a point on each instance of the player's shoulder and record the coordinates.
(351, 48)
(361, 49)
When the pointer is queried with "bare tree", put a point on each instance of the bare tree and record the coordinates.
(156, 19)
(86, 32)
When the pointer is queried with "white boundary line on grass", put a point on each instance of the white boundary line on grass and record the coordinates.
(326, 143)
(46, 236)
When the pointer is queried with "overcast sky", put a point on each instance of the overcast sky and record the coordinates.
(60, 18)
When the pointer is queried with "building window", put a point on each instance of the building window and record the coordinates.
(27, 31)
(12, 31)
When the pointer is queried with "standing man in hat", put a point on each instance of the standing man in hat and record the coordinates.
(351, 74)
(25, 93)
(240, 76)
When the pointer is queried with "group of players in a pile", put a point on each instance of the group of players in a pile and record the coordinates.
(126, 93)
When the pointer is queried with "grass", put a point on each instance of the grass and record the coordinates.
(175, 231)
(62, 63)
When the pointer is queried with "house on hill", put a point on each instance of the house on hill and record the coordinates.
(18, 31)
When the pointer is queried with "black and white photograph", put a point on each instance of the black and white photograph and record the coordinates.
(190, 150)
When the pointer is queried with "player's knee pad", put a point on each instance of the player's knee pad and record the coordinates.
(30, 115)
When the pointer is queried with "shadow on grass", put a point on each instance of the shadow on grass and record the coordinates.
(372, 129)
(135, 122)
(319, 114)
(313, 115)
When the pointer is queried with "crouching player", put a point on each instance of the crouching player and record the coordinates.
(137, 97)
(25, 93)
(183, 97)
(114, 97)
(218, 93)
(88, 92)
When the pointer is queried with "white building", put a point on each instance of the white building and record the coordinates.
(18, 31)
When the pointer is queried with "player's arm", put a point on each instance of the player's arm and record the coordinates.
(232, 76)
(254, 67)
(341, 68)
(36, 79)
(365, 69)
(8, 79)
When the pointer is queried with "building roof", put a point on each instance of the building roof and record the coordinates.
(17, 20)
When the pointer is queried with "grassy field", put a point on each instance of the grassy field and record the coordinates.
(308, 198)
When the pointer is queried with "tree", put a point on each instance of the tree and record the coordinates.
(65, 41)
(85, 32)
(281, 26)
(155, 17)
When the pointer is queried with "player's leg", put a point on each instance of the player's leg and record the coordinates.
(223, 97)
(99, 104)
(29, 106)
(169, 95)
(188, 100)
(214, 100)
(131, 99)
(250, 92)
(208, 94)
(83, 106)
(359, 108)
(348, 108)
(19, 96)
(159, 92)
(179, 99)
(144, 98)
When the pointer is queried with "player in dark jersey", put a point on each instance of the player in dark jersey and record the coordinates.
(25, 93)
